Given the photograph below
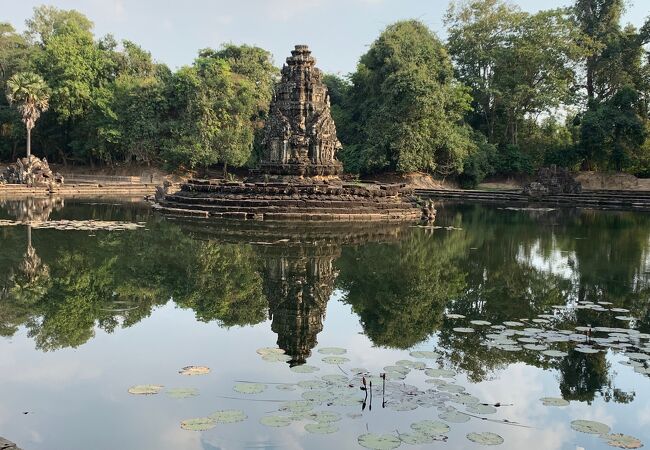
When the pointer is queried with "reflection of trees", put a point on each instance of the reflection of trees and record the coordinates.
(508, 279)
(400, 290)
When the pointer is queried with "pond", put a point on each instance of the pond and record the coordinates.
(472, 321)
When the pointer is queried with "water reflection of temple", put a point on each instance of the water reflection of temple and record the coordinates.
(298, 270)
(298, 281)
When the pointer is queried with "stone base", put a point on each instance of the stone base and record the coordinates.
(297, 169)
(311, 200)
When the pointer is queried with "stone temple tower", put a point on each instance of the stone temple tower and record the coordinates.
(300, 135)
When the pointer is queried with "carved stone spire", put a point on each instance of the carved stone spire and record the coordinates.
(300, 135)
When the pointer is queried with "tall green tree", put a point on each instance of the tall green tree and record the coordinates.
(29, 93)
(407, 104)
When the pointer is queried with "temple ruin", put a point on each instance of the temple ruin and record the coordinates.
(298, 177)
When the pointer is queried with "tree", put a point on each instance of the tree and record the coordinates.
(29, 93)
(518, 65)
(49, 21)
(407, 104)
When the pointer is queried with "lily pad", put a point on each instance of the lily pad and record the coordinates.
(485, 438)
(332, 351)
(228, 416)
(454, 316)
(276, 357)
(554, 353)
(623, 441)
(305, 368)
(442, 373)
(325, 416)
(424, 354)
(269, 351)
(276, 421)
(420, 438)
(312, 384)
(297, 406)
(182, 392)
(590, 426)
(480, 323)
(335, 379)
(145, 389)
(480, 408)
(379, 441)
(198, 424)
(463, 330)
(553, 401)
(454, 416)
(194, 370)
(249, 388)
(335, 360)
(430, 427)
(321, 428)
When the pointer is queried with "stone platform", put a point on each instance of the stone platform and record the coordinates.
(311, 200)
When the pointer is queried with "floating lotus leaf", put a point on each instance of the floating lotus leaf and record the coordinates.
(297, 406)
(540, 321)
(276, 357)
(554, 353)
(198, 424)
(249, 388)
(454, 416)
(535, 347)
(509, 348)
(436, 381)
(463, 330)
(638, 356)
(145, 389)
(480, 323)
(553, 401)
(305, 368)
(321, 428)
(393, 375)
(465, 399)
(325, 416)
(228, 416)
(332, 351)
(481, 409)
(270, 350)
(346, 400)
(335, 360)
(182, 392)
(430, 427)
(424, 354)
(623, 441)
(625, 318)
(406, 405)
(379, 441)
(358, 370)
(401, 369)
(528, 340)
(312, 384)
(620, 310)
(286, 387)
(513, 324)
(335, 379)
(453, 388)
(587, 350)
(485, 438)
(418, 365)
(317, 396)
(443, 373)
(194, 370)
(589, 426)
(420, 438)
(276, 421)
(454, 316)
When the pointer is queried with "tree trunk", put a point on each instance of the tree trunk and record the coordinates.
(29, 142)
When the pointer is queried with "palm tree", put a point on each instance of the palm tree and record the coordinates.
(31, 96)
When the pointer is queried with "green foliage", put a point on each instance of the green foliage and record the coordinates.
(479, 163)
(407, 105)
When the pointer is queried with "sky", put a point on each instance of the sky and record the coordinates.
(338, 31)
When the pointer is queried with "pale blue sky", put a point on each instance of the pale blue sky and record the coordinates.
(338, 31)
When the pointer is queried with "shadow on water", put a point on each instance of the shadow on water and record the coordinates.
(495, 265)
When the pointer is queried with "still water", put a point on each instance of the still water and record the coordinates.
(99, 296)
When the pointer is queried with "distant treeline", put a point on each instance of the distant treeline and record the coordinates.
(507, 93)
